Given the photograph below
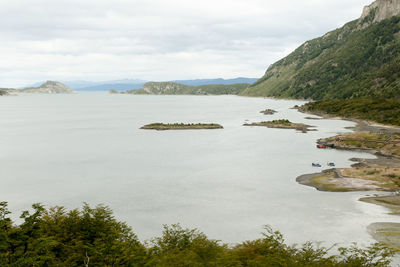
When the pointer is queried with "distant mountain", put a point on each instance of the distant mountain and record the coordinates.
(127, 85)
(174, 88)
(112, 86)
(361, 59)
(49, 87)
(135, 84)
(119, 85)
(124, 84)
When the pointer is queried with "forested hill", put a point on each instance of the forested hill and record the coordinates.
(174, 88)
(361, 59)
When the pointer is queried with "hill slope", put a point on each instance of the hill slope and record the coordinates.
(360, 59)
(198, 82)
(173, 88)
(49, 87)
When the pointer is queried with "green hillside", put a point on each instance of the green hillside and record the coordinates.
(173, 88)
(361, 59)
(382, 110)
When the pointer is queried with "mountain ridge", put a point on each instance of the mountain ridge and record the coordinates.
(360, 59)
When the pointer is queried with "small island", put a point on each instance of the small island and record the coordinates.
(268, 111)
(181, 126)
(283, 124)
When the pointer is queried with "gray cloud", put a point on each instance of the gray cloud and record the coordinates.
(157, 39)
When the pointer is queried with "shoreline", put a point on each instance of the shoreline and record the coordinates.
(336, 180)
(382, 158)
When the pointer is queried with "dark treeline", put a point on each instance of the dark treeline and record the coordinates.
(382, 110)
(93, 237)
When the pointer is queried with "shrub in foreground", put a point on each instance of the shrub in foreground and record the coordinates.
(93, 237)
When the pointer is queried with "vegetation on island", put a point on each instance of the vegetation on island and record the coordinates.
(3, 92)
(268, 111)
(181, 126)
(283, 124)
(174, 88)
(93, 237)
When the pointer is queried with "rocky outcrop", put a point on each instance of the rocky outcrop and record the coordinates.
(380, 10)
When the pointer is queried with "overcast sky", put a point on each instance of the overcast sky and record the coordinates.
(157, 39)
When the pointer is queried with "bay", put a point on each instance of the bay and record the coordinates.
(229, 183)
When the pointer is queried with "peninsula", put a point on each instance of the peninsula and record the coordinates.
(380, 174)
(49, 87)
(174, 88)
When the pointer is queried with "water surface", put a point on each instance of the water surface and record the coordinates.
(87, 147)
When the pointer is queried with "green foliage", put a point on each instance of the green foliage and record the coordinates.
(350, 62)
(382, 110)
(283, 121)
(55, 237)
(3, 92)
(173, 88)
(184, 247)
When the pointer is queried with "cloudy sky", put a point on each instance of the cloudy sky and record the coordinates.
(157, 39)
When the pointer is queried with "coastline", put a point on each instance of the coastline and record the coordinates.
(382, 158)
(334, 180)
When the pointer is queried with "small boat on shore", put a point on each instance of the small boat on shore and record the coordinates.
(315, 164)
(331, 164)
(321, 146)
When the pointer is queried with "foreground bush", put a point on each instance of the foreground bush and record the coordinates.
(92, 237)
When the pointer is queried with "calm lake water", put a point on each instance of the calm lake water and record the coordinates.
(87, 147)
